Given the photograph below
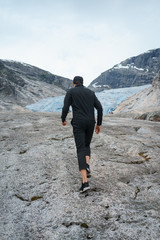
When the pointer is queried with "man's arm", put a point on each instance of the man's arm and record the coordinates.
(65, 109)
(98, 106)
(98, 129)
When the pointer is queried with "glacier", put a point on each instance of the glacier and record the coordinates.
(109, 99)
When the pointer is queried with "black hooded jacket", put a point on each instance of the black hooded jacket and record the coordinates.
(83, 102)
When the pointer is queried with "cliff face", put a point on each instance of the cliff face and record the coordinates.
(146, 102)
(135, 71)
(22, 84)
(156, 82)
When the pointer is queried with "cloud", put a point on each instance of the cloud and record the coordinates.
(77, 37)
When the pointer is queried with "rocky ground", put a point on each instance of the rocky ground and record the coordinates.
(39, 178)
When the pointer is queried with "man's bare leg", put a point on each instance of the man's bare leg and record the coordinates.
(88, 169)
(84, 175)
(87, 159)
(84, 172)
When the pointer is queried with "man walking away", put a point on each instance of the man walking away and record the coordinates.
(83, 102)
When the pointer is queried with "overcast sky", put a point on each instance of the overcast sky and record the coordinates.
(77, 37)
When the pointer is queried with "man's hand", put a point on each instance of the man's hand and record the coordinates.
(64, 123)
(98, 129)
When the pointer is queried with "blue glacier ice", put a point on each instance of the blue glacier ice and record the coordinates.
(109, 99)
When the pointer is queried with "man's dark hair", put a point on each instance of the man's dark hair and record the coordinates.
(78, 80)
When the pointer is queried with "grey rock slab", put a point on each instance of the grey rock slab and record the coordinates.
(143, 105)
(39, 180)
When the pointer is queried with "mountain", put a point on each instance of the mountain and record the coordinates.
(134, 71)
(145, 104)
(22, 84)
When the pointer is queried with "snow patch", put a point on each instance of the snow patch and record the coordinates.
(131, 65)
(99, 86)
(140, 69)
(95, 85)
(118, 66)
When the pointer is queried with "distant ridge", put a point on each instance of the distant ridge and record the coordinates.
(22, 84)
(134, 71)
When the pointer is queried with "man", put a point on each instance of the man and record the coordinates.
(83, 102)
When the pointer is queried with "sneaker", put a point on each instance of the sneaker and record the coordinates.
(88, 171)
(85, 186)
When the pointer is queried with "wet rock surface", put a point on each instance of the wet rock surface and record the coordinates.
(39, 178)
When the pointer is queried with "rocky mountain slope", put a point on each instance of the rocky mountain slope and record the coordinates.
(39, 177)
(146, 102)
(22, 84)
(135, 71)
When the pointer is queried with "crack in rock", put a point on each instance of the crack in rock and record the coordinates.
(107, 217)
(61, 139)
(4, 138)
(21, 198)
(132, 162)
(67, 137)
(83, 225)
(137, 162)
(23, 151)
(55, 139)
(34, 198)
(136, 192)
(136, 128)
(146, 157)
